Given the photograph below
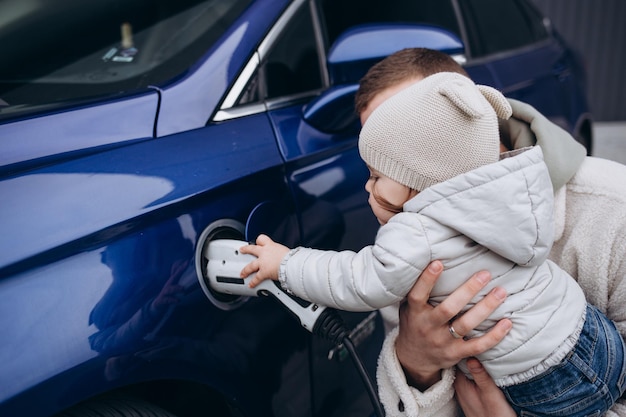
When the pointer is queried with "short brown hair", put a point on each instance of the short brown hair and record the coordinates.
(401, 66)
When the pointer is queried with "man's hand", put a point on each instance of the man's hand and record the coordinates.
(480, 398)
(425, 345)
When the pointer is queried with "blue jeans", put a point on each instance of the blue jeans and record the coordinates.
(586, 383)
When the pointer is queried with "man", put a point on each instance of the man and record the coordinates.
(415, 372)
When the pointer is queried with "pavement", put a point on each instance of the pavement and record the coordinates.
(610, 141)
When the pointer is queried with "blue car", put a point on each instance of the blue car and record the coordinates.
(133, 134)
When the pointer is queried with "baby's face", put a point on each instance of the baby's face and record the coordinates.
(388, 190)
(386, 196)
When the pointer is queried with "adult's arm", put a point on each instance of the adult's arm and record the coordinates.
(415, 374)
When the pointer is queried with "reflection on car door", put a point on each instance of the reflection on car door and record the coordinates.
(327, 177)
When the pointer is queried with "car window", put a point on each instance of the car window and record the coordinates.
(496, 26)
(56, 51)
(292, 65)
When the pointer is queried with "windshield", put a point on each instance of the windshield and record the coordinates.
(59, 51)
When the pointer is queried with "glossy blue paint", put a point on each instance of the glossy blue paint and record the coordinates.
(57, 205)
(35, 140)
(328, 178)
(126, 322)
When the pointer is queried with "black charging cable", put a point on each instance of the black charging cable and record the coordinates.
(331, 327)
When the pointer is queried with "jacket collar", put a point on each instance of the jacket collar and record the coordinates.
(528, 127)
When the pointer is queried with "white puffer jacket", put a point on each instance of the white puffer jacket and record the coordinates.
(497, 217)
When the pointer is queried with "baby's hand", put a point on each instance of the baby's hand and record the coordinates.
(269, 255)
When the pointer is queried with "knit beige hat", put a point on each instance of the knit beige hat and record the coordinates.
(436, 129)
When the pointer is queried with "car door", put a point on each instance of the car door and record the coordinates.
(326, 178)
(511, 40)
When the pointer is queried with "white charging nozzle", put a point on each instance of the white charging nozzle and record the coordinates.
(224, 264)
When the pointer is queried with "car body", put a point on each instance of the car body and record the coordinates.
(133, 134)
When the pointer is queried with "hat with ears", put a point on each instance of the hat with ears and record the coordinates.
(436, 129)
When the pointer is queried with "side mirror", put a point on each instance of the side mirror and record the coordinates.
(352, 55)
(333, 111)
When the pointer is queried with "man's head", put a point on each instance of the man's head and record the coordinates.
(398, 71)
(433, 130)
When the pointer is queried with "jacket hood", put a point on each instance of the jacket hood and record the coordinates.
(528, 127)
(506, 206)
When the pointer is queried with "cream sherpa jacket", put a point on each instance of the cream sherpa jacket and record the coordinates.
(590, 244)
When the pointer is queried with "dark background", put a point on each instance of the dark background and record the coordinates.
(596, 29)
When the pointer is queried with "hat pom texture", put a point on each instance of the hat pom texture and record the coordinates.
(440, 127)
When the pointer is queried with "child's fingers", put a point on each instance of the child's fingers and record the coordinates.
(263, 240)
(249, 249)
(255, 281)
(251, 268)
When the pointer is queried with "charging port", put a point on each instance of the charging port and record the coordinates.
(220, 229)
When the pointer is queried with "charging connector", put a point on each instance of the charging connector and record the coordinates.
(225, 262)
(331, 327)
